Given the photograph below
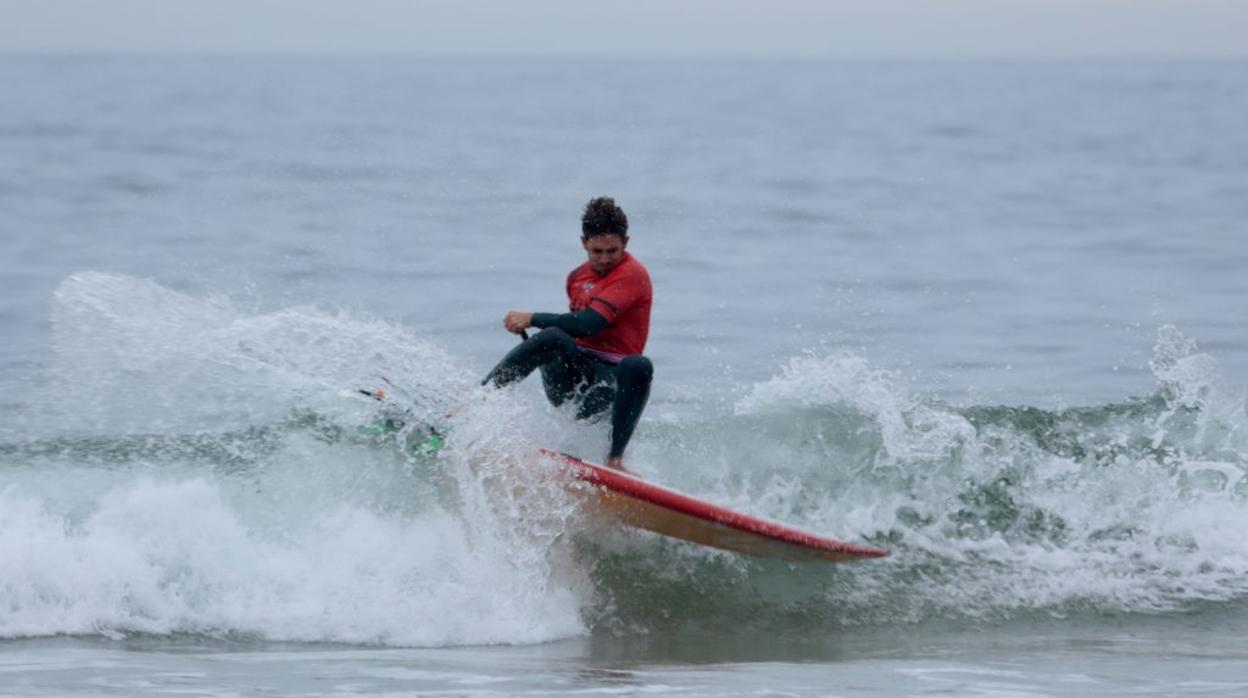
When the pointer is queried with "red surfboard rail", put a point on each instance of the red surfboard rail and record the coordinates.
(668, 512)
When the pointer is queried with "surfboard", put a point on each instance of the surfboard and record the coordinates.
(636, 502)
(641, 504)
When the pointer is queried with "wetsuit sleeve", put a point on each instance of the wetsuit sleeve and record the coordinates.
(581, 323)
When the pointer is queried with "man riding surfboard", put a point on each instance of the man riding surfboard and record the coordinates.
(593, 353)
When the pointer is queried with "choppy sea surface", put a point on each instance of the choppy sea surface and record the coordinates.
(990, 316)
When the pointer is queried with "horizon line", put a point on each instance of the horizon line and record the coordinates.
(580, 56)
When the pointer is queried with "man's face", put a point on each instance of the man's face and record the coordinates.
(605, 251)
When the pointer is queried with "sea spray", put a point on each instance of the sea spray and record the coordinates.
(991, 512)
(200, 469)
(201, 472)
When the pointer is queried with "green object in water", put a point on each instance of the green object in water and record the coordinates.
(431, 444)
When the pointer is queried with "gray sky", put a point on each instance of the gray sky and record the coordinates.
(869, 28)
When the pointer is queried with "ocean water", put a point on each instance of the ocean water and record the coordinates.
(989, 316)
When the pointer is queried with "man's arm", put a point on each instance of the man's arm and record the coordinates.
(582, 323)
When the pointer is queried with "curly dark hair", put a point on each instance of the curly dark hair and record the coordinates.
(603, 217)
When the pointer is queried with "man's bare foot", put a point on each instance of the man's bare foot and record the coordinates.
(617, 462)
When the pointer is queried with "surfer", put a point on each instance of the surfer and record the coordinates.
(592, 354)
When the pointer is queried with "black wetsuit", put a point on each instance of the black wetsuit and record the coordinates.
(571, 372)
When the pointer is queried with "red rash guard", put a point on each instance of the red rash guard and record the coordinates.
(622, 297)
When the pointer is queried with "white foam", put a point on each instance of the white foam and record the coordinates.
(1178, 507)
(305, 539)
(177, 555)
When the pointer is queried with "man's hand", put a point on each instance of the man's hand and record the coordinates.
(518, 321)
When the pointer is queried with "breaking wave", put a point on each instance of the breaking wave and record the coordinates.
(195, 468)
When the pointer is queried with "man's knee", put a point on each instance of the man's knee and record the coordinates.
(635, 369)
(552, 336)
(550, 345)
